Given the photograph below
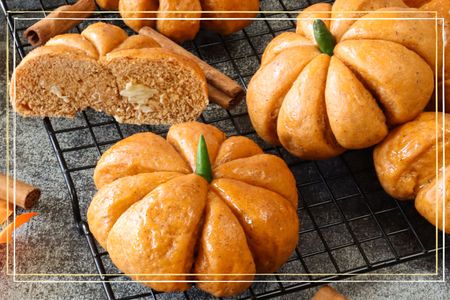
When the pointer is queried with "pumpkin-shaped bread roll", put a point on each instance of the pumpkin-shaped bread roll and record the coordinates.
(343, 78)
(194, 206)
(180, 19)
(409, 159)
(442, 7)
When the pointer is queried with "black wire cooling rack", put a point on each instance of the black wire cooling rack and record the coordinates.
(348, 224)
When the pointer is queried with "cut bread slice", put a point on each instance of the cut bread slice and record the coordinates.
(59, 81)
(157, 86)
(133, 80)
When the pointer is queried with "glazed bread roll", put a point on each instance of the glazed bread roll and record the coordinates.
(408, 160)
(129, 78)
(159, 220)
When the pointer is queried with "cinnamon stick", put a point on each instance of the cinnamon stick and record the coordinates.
(26, 195)
(326, 292)
(40, 32)
(223, 99)
(223, 90)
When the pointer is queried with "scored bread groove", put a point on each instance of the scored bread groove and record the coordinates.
(371, 91)
(303, 123)
(264, 100)
(118, 196)
(270, 244)
(407, 32)
(214, 244)
(130, 78)
(352, 112)
(257, 171)
(371, 58)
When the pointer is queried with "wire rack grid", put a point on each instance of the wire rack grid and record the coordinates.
(349, 225)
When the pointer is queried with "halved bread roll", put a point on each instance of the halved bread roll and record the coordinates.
(132, 79)
(160, 86)
(60, 81)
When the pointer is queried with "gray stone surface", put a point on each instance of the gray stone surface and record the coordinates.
(51, 244)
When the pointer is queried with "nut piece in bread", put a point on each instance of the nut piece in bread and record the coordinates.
(174, 86)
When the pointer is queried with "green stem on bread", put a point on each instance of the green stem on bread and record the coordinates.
(325, 40)
(203, 164)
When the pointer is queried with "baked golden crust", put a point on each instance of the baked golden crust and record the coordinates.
(305, 19)
(355, 118)
(281, 42)
(442, 7)
(179, 30)
(258, 170)
(407, 163)
(137, 42)
(227, 27)
(130, 157)
(236, 147)
(406, 160)
(133, 13)
(269, 221)
(223, 251)
(447, 95)
(158, 234)
(76, 41)
(244, 221)
(429, 201)
(381, 73)
(394, 83)
(418, 35)
(108, 4)
(116, 197)
(184, 137)
(303, 128)
(264, 100)
(344, 12)
(105, 37)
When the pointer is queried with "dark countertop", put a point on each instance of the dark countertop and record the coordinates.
(51, 244)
